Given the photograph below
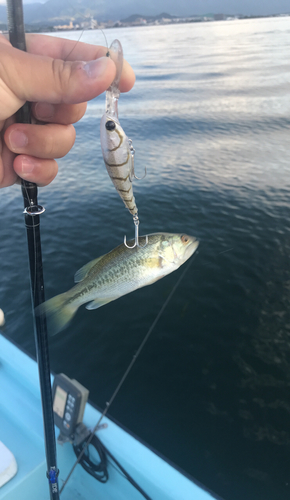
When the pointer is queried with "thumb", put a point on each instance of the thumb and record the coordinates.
(34, 78)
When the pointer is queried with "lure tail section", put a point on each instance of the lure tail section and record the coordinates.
(59, 312)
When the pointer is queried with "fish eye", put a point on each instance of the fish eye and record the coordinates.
(110, 125)
(184, 238)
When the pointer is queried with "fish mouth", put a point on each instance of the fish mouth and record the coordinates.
(191, 247)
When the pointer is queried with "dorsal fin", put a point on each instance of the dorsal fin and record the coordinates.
(84, 271)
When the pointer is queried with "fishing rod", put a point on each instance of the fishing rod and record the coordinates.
(32, 212)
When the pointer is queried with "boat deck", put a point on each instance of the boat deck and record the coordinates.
(21, 430)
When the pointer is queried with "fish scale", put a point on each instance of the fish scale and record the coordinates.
(118, 273)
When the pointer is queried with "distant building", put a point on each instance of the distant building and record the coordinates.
(139, 22)
(69, 26)
(89, 24)
(110, 23)
(219, 17)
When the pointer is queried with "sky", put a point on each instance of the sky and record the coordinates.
(190, 7)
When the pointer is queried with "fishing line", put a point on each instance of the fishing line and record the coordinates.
(78, 40)
(224, 251)
(75, 45)
(127, 371)
(135, 356)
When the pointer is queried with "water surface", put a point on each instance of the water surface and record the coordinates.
(209, 117)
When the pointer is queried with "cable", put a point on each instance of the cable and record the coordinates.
(99, 470)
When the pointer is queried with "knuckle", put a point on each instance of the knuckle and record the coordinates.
(47, 171)
(72, 132)
(59, 140)
(80, 111)
(62, 71)
(53, 172)
(49, 145)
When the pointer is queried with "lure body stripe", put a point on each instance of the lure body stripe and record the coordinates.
(117, 153)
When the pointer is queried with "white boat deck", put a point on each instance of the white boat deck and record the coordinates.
(21, 430)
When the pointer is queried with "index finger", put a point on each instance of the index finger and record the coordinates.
(73, 50)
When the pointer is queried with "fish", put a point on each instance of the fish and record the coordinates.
(117, 149)
(117, 273)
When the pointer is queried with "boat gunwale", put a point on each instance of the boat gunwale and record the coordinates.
(126, 430)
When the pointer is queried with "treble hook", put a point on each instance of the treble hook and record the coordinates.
(132, 151)
(136, 244)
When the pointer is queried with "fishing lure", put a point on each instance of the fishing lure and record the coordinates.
(117, 149)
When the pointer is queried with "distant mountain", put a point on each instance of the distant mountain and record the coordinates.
(58, 12)
(134, 17)
(55, 12)
(64, 10)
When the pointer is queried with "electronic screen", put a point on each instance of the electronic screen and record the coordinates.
(59, 401)
(69, 401)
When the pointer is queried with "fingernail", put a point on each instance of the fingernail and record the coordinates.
(18, 139)
(44, 110)
(27, 165)
(96, 68)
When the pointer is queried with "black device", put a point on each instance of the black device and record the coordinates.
(69, 401)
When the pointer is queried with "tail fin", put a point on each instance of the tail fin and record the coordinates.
(58, 313)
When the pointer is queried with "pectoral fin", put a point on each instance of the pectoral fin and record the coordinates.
(84, 271)
(162, 258)
(95, 304)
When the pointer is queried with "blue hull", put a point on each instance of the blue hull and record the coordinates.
(21, 430)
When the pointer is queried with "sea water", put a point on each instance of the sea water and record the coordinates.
(209, 117)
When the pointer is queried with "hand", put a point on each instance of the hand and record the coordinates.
(58, 76)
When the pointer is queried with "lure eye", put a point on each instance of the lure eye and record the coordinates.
(110, 125)
(184, 238)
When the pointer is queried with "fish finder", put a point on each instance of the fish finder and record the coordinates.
(69, 400)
